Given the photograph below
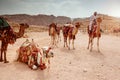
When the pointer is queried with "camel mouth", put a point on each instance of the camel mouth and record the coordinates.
(12, 42)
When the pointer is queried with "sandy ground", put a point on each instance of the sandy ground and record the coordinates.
(78, 64)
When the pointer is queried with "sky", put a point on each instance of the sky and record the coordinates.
(69, 8)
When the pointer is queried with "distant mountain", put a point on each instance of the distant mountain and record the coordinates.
(40, 19)
(108, 22)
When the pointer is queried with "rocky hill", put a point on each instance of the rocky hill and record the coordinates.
(109, 23)
(42, 20)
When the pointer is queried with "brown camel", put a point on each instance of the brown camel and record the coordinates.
(95, 34)
(69, 33)
(65, 30)
(72, 32)
(53, 33)
(9, 37)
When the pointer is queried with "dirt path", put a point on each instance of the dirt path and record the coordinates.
(78, 64)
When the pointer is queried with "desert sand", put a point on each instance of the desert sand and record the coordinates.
(78, 64)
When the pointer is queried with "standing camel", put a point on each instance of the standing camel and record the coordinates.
(72, 33)
(69, 33)
(95, 34)
(65, 30)
(53, 33)
(9, 37)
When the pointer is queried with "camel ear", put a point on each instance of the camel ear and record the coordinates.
(21, 24)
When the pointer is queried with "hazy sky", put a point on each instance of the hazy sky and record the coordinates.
(70, 8)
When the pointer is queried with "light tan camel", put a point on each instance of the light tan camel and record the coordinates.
(95, 34)
(53, 34)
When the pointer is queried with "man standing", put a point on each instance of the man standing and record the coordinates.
(92, 21)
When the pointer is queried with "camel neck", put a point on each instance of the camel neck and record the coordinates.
(98, 27)
(21, 31)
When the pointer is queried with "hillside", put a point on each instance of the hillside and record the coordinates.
(40, 19)
(109, 23)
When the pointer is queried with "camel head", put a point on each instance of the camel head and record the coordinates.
(78, 24)
(52, 25)
(99, 20)
(48, 51)
(24, 25)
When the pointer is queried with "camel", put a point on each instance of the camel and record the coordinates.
(95, 34)
(9, 37)
(69, 33)
(53, 33)
(33, 56)
(72, 33)
(65, 30)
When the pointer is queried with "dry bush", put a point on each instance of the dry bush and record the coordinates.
(34, 28)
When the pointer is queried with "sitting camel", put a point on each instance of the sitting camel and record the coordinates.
(34, 57)
(69, 33)
(95, 34)
(8, 36)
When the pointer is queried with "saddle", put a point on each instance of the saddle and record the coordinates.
(93, 31)
(65, 30)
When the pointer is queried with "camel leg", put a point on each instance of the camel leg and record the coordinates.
(91, 41)
(88, 43)
(55, 41)
(69, 44)
(60, 38)
(73, 44)
(51, 41)
(98, 44)
(1, 59)
(5, 50)
(64, 41)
